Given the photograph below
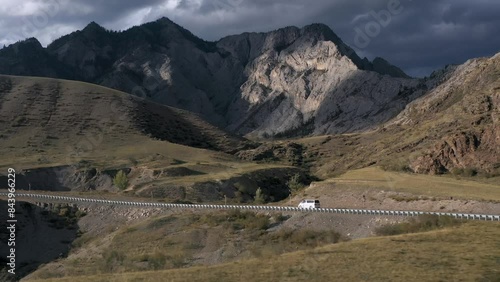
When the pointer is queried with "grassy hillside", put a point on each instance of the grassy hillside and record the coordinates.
(428, 185)
(48, 125)
(45, 120)
(183, 240)
(470, 252)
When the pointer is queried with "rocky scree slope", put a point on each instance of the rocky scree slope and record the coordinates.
(291, 81)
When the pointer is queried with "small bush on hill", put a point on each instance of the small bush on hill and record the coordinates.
(260, 197)
(294, 183)
(120, 180)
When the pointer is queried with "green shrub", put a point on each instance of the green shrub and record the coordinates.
(260, 197)
(120, 180)
(294, 183)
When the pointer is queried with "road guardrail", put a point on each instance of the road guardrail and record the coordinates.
(76, 200)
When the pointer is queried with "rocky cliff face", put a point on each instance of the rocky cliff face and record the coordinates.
(464, 109)
(476, 151)
(292, 81)
(302, 81)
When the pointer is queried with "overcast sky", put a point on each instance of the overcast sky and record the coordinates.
(418, 36)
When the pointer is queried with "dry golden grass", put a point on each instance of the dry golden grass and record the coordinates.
(46, 122)
(470, 252)
(50, 122)
(182, 240)
(428, 185)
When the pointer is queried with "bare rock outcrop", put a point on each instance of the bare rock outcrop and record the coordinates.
(460, 114)
(465, 150)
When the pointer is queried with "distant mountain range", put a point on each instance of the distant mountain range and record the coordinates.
(288, 82)
(292, 81)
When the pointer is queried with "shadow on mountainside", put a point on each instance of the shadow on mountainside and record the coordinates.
(356, 112)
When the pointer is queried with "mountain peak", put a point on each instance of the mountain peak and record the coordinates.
(30, 45)
(317, 27)
(93, 26)
(382, 66)
(32, 41)
(322, 31)
(164, 20)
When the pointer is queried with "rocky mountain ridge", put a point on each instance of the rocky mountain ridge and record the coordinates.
(288, 82)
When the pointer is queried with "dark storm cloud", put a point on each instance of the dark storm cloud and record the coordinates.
(422, 36)
(105, 12)
(50, 19)
(430, 34)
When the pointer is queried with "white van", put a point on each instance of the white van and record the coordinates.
(309, 204)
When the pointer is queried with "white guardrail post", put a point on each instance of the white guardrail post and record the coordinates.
(41, 197)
